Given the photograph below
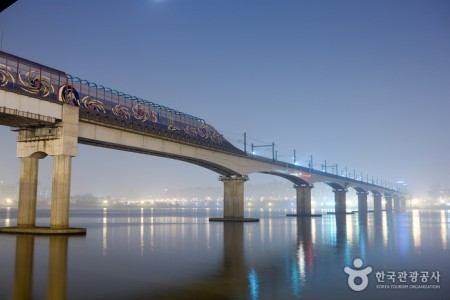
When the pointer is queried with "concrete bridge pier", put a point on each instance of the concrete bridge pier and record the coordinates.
(303, 193)
(60, 140)
(396, 200)
(402, 203)
(340, 198)
(388, 205)
(362, 202)
(59, 215)
(233, 199)
(377, 205)
(26, 213)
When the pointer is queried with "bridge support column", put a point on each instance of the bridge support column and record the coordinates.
(377, 206)
(303, 193)
(388, 205)
(233, 198)
(59, 140)
(403, 203)
(362, 202)
(26, 213)
(59, 215)
(397, 203)
(340, 197)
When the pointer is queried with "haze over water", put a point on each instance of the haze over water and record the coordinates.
(144, 253)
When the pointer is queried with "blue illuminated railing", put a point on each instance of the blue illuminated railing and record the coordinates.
(101, 92)
(102, 103)
(26, 77)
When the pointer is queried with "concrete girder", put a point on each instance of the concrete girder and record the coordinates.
(295, 180)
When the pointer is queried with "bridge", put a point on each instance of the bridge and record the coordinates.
(52, 112)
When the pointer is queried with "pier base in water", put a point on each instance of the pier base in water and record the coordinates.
(43, 230)
(231, 219)
(300, 215)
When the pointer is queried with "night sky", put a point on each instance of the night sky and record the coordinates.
(361, 84)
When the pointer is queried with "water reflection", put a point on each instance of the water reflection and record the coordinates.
(141, 254)
(444, 230)
(363, 236)
(416, 228)
(23, 271)
(142, 232)
(105, 232)
(57, 268)
(384, 229)
(341, 230)
(253, 284)
(8, 217)
(305, 254)
(233, 280)
(234, 267)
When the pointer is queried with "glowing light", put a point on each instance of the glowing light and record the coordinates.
(254, 284)
(444, 231)
(416, 227)
(384, 229)
(105, 232)
(8, 218)
(142, 231)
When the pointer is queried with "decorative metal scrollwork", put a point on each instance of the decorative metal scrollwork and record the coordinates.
(192, 131)
(204, 131)
(34, 83)
(93, 104)
(121, 111)
(68, 94)
(5, 75)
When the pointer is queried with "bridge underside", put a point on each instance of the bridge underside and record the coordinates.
(16, 118)
(208, 165)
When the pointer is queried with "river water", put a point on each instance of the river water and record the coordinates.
(144, 253)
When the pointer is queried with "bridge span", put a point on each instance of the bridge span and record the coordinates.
(53, 112)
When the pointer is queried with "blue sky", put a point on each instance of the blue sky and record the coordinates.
(364, 84)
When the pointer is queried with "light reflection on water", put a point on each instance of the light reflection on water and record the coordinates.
(105, 231)
(416, 227)
(444, 232)
(168, 254)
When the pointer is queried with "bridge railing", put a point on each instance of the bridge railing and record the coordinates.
(25, 77)
(103, 104)
(22, 76)
(384, 184)
(98, 97)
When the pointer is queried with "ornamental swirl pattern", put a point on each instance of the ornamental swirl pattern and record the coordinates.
(5, 75)
(19, 76)
(35, 84)
(121, 111)
(204, 131)
(93, 104)
(68, 94)
(140, 112)
(217, 138)
(192, 131)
